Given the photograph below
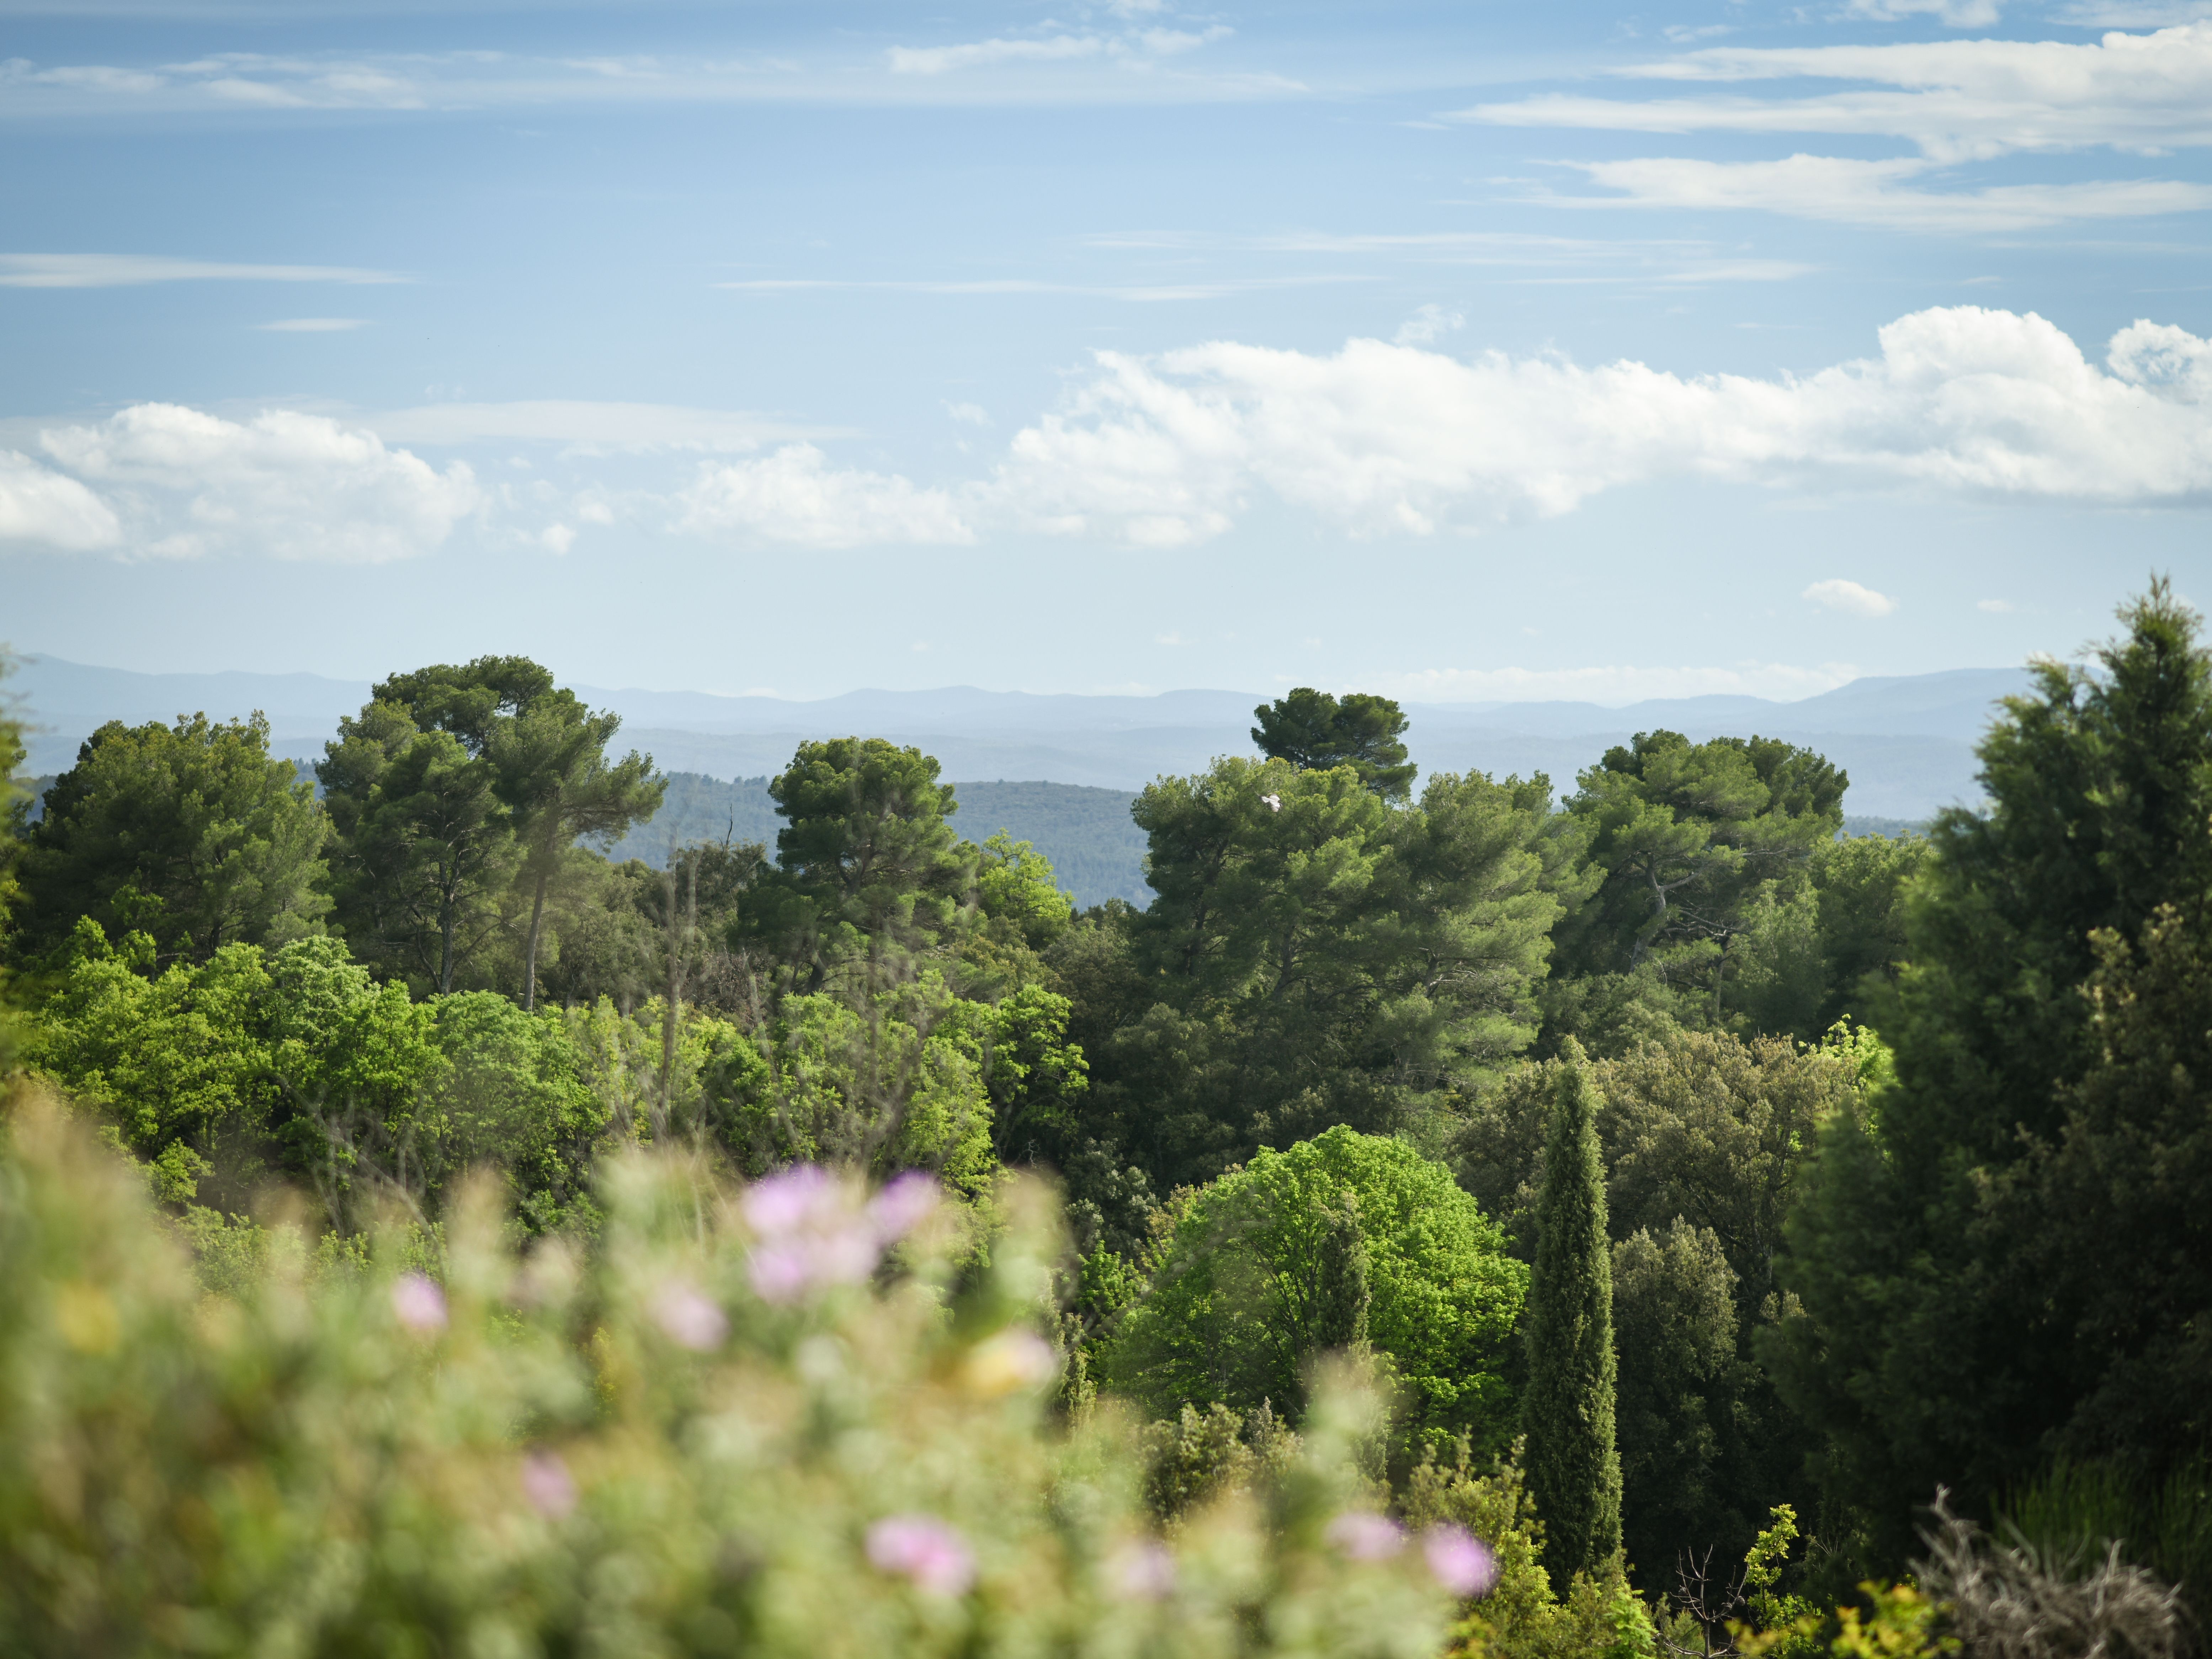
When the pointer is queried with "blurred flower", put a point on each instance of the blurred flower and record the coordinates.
(790, 1198)
(1461, 1562)
(924, 1549)
(1143, 1571)
(903, 1204)
(1365, 1537)
(547, 1485)
(811, 1236)
(1014, 1359)
(418, 1304)
(691, 1321)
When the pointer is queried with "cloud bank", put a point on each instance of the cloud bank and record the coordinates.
(1376, 439)
(180, 483)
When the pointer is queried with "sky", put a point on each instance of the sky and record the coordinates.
(1459, 352)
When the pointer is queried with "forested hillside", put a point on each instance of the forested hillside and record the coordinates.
(1515, 1216)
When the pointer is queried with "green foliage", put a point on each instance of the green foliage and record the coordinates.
(2078, 1511)
(1016, 881)
(1678, 1419)
(1701, 1133)
(191, 834)
(224, 1074)
(870, 871)
(1276, 1263)
(629, 1452)
(2005, 1258)
(426, 846)
(1315, 957)
(1684, 838)
(554, 777)
(1314, 730)
(1567, 1415)
(1521, 1618)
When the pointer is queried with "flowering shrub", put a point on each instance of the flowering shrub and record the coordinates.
(780, 1420)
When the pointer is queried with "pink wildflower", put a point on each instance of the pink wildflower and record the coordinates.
(904, 1204)
(418, 1304)
(1365, 1537)
(547, 1485)
(924, 1549)
(790, 1198)
(691, 1319)
(1461, 1562)
(811, 1236)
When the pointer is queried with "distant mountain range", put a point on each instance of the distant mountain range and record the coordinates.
(1907, 741)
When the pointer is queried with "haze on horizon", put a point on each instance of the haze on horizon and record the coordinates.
(1463, 354)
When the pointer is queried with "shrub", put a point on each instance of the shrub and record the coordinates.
(730, 1427)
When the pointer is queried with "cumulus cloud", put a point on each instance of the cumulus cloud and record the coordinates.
(43, 508)
(1851, 597)
(1954, 100)
(1428, 323)
(795, 496)
(1389, 439)
(185, 484)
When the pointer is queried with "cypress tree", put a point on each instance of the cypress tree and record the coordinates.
(1574, 1466)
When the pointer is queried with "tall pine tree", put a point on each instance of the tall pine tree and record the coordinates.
(1574, 1466)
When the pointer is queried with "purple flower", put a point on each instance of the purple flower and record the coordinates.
(903, 1204)
(1143, 1572)
(811, 1236)
(418, 1304)
(790, 1198)
(1365, 1537)
(1461, 1562)
(691, 1321)
(922, 1548)
(547, 1485)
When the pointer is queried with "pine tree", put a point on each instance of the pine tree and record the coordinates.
(1574, 1466)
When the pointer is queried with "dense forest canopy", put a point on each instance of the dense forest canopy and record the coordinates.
(1683, 1174)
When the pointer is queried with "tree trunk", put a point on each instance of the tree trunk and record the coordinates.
(446, 949)
(530, 955)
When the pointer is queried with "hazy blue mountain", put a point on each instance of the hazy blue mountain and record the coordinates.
(1905, 741)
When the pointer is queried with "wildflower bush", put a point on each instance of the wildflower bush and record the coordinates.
(784, 1419)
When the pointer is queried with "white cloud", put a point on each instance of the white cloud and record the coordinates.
(132, 270)
(977, 54)
(186, 484)
(40, 506)
(1851, 597)
(1876, 193)
(1954, 14)
(968, 414)
(1130, 48)
(1614, 684)
(1389, 439)
(1954, 100)
(795, 496)
(314, 324)
(1995, 607)
(591, 427)
(1428, 323)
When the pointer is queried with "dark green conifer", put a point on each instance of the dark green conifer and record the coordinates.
(1574, 1466)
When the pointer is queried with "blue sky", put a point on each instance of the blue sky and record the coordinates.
(1459, 351)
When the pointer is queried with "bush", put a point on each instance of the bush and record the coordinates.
(730, 1428)
(1342, 1239)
